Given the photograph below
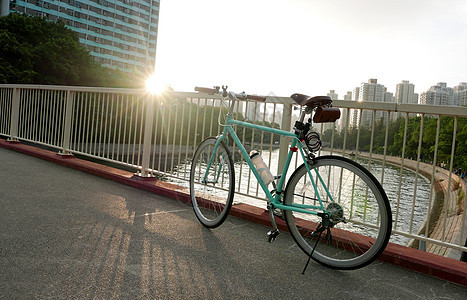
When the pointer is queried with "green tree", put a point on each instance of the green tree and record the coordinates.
(35, 50)
(396, 139)
(461, 145)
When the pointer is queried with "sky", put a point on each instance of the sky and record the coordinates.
(280, 47)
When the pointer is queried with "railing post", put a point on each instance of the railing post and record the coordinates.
(147, 141)
(14, 116)
(67, 124)
(284, 141)
(422, 244)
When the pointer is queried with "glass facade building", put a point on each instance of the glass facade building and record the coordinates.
(118, 33)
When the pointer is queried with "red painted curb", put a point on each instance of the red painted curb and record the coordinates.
(413, 259)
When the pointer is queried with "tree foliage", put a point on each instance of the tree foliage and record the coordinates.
(37, 51)
(396, 132)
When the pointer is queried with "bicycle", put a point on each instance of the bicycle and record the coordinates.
(336, 210)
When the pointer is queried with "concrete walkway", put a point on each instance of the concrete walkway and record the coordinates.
(69, 234)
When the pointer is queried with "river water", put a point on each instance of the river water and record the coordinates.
(408, 212)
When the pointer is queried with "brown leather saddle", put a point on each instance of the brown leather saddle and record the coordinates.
(323, 113)
(304, 100)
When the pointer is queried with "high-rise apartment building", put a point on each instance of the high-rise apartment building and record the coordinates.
(353, 114)
(439, 94)
(343, 120)
(405, 93)
(348, 96)
(461, 87)
(428, 98)
(371, 91)
(461, 92)
(388, 96)
(332, 94)
(356, 93)
(118, 33)
(374, 92)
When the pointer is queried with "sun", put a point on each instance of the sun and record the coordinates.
(154, 85)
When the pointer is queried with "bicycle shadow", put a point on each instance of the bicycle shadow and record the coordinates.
(142, 249)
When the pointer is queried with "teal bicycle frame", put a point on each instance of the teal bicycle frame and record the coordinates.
(296, 144)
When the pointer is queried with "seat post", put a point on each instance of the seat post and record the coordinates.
(302, 114)
(306, 110)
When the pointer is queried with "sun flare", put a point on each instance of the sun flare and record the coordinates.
(154, 85)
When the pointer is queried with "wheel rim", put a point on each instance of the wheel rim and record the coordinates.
(359, 200)
(211, 199)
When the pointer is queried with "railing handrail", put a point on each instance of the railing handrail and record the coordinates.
(141, 91)
(457, 111)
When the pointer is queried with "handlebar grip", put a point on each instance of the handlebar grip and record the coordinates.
(256, 98)
(205, 90)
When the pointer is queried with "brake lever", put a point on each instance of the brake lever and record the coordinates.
(224, 90)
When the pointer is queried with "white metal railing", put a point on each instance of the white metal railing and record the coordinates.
(157, 136)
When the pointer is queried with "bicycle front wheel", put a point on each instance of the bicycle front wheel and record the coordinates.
(360, 214)
(212, 181)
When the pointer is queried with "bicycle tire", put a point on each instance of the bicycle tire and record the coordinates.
(363, 204)
(212, 199)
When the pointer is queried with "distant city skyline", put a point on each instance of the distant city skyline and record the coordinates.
(438, 94)
(377, 92)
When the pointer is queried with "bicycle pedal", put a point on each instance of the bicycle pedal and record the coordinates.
(272, 234)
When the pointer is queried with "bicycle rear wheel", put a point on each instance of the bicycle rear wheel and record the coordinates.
(212, 189)
(354, 196)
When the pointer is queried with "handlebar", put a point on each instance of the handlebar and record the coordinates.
(256, 98)
(242, 96)
(206, 90)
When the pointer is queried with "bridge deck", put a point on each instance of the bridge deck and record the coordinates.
(69, 234)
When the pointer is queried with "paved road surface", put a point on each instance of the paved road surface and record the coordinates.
(68, 234)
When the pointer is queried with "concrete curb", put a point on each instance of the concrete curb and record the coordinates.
(413, 259)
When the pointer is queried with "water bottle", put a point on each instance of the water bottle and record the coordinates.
(261, 167)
